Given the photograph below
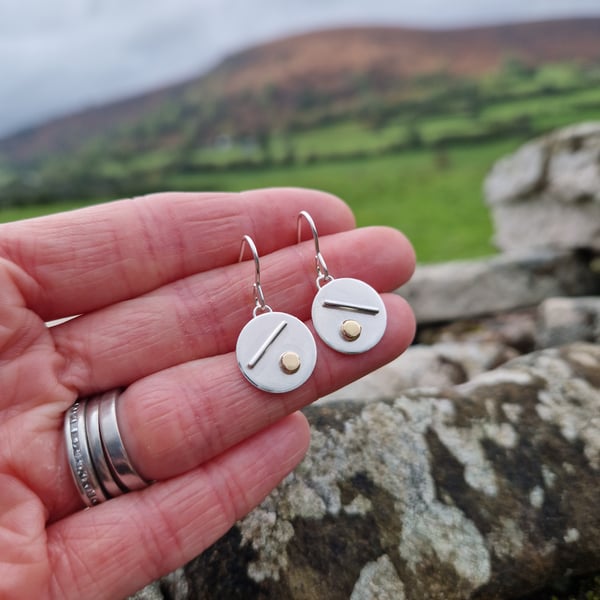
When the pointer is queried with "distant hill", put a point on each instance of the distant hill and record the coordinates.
(295, 80)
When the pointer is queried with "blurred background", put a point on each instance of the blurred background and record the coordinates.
(399, 108)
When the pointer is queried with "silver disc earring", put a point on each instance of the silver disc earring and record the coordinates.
(275, 351)
(347, 314)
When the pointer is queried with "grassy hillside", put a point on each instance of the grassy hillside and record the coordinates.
(435, 198)
(306, 79)
(402, 124)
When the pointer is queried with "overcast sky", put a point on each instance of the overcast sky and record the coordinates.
(61, 55)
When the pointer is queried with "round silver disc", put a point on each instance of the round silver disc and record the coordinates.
(349, 315)
(276, 352)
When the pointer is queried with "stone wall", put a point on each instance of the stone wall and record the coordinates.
(548, 192)
(487, 490)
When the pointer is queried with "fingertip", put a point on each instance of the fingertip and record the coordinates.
(296, 430)
(333, 206)
(409, 254)
(381, 256)
(397, 248)
(403, 325)
(331, 213)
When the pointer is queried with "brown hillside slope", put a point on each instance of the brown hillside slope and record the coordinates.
(328, 55)
(329, 62)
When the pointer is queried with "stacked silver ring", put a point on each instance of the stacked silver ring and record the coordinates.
(99, 463)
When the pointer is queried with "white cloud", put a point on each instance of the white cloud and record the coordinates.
(62, 55)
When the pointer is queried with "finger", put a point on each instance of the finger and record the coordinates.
(175, 420)
(23, 562)
(202, 315)
(75, 262)
(116, 548)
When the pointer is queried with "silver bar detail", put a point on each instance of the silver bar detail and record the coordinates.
(369, 310)
(261, 351)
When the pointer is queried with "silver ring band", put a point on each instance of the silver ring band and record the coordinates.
(97, 457)
(114, 450)
(110, 486)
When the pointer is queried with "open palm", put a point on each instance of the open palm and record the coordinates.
(161, 299)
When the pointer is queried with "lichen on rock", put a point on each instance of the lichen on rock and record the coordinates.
(487, 490)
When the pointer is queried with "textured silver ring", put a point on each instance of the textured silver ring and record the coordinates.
(98, 460)
(80, 460)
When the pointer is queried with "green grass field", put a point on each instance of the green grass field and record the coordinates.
(434, 198)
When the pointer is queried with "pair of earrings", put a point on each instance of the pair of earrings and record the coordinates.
(276, 351)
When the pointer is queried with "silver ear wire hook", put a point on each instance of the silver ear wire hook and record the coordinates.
(275, 351)
(259, 299)
(323, 275)
(347, 313)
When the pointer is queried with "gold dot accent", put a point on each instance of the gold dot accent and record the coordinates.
(289, 362)
(351, 330)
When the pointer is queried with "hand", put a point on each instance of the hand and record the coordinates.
(162, 300)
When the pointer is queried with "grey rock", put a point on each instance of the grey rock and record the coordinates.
(488, 491)
(565, 320)
(547, 194)
(442, 365)
(463, 289)
(379, 579)
(517, 175)
(513, 330)
(172, 585)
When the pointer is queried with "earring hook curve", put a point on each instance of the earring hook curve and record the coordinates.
(323, 275)
(259, 297)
